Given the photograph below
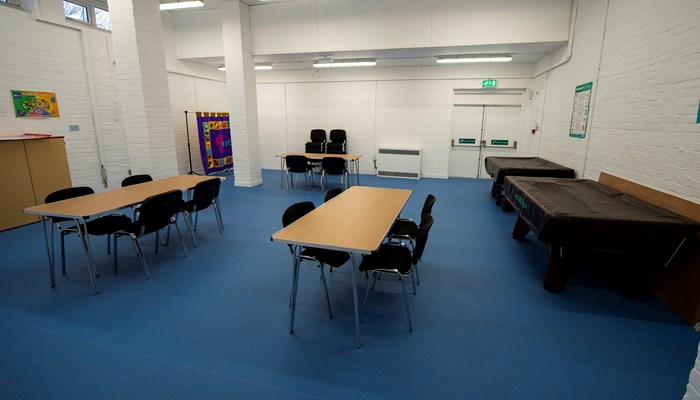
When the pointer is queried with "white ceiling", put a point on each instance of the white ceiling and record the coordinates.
(526, 53)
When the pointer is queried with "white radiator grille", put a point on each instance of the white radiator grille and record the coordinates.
(398, 163)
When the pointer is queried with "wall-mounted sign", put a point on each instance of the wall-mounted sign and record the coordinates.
(499, 142)
(579, 115)
(467, 141)
(488, 83)
(34, 104)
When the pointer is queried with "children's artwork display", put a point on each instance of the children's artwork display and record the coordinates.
(34, 104)
(215, 141)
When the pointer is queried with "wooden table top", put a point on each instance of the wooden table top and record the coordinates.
(318, 156)
(111, 200)
(356, 220)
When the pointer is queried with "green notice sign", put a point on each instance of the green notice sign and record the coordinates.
(499, 142)
(467, 141)
(488, 83)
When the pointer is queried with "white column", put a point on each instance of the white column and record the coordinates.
(240, 86)
(142, 84)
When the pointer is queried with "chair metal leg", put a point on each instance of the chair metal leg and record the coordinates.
(182, 241)
(217, 210)
(325, 287)
(405, 300)
(415, 268)
(115, 253)
(413, 282)
(188, 223)
(137, 246)
(369, 284)
(63, 252)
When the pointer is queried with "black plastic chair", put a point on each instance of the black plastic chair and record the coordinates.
(321, 257)
(407, 228)
(318, 141)
(338, 142)
(157, 212)
(205, 194)
(331, 193)
(298, 165)
(334, 166)
(105, 225)
(136, 179)
(395, 258)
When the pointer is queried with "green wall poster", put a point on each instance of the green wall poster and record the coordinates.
(579, 115)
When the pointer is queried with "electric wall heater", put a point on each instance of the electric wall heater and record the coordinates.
(398, 163)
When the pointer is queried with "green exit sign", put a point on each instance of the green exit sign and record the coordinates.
(499, 142)
(467, 141)
(488, 83)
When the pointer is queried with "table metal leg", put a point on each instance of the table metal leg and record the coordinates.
(295, 285)
(354, 300)
(357, 171)
(49, 250)
(83, 233)
(281, 173)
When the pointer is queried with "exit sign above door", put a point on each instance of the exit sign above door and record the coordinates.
(488, 83)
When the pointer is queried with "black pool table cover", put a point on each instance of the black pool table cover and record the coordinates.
(500, 167)
(581, 213)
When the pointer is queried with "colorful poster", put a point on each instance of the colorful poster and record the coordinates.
(579, 116)
(35, 104)
(215, 141)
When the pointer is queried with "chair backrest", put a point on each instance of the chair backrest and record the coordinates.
(68, 193)
(135, 179)
(296, 211)
(318, 135)
(205, 192)
(395, 256)
(297, 163)
(333, 165)
(426, 222)
(428, 205)
(158, 211)
(337, 135)
(332, 193)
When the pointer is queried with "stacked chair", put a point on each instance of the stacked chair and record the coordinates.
(338, 143)
(318, 141)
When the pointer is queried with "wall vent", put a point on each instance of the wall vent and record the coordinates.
(398, 163)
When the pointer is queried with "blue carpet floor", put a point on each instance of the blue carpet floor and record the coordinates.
(214, 325)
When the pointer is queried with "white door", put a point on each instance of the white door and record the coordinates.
(479, 131)
(467, 124)
(500, 133)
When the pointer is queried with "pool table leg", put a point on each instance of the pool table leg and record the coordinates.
(521, 229)
(558, 271)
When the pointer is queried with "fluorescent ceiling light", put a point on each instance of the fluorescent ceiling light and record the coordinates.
(482, 58)
(262, 67)
(181, 4)
(221, 68)
(358, 62)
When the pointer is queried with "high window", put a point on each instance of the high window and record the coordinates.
(89, 12)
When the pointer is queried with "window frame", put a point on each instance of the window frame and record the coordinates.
(91, 15)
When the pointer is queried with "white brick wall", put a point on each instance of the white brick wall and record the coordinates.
(693, 388)
(643, 120)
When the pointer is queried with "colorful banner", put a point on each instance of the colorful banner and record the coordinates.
(215, 141)
(34, 104)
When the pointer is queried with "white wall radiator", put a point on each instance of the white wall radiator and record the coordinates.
(398, 163)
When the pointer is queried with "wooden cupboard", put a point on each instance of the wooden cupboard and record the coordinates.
(31, 169)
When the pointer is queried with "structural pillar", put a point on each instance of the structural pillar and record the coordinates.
(241, 91)
(142, 84)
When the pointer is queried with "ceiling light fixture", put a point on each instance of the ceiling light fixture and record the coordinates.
(354, 62)
(181, 4)
(263, 67)
(473, 58)
(221, 68)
